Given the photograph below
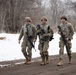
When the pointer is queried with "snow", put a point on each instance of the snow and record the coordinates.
(11, 50)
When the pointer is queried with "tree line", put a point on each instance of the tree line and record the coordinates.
(13, 13)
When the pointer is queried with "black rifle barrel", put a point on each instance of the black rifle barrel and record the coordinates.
(29, 39)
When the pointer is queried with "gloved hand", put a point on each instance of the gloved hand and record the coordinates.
(38, 31)
(68, 39)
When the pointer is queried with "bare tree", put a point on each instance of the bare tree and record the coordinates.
(13, 12)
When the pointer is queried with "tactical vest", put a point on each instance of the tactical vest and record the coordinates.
(30, 30)
(65, 29)
(46, 30)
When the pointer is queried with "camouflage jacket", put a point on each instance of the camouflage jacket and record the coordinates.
(31, 33)
(47, 34)
(67, 30)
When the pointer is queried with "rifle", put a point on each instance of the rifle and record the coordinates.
(29, 39)
(62, 35)
(43, 32)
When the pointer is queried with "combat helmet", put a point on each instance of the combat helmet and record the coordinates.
(44, 18)
(28, 19)
(64, 17)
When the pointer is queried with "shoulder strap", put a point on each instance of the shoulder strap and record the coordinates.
(51, 37)
(48, 28)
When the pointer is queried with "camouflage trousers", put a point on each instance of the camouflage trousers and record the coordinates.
(68, 48)
(27, 51)
(43, 47)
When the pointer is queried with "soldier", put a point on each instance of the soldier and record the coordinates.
(68, 32)
(44, 32)
(27, 30)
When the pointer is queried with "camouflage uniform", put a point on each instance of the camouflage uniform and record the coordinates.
(26, 46)
(68, 31)
(44, 42)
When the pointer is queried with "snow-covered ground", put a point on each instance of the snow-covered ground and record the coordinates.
(11, 50)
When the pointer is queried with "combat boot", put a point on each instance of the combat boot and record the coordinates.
(29, 62)
(60, 62)
(70, 61)
(43, 61)
(26, 61)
